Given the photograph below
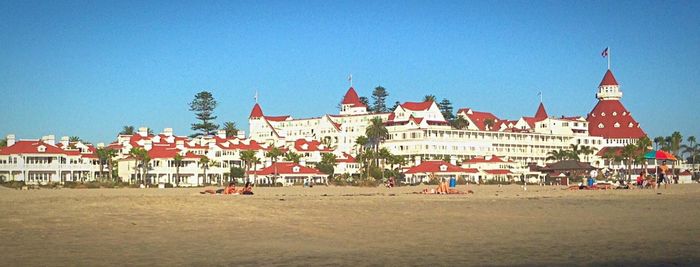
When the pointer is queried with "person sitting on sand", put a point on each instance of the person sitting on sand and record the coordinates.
(247, 189)
(230, 189)
(640, 180)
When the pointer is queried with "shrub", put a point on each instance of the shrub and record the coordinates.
(14, 184)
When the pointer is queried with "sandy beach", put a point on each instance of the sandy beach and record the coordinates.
(350, 226)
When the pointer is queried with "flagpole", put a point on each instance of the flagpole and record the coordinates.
(609, 55)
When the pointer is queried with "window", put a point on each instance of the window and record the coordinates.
(617, 125)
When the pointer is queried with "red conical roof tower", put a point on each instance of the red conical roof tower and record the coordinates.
(352, 99)
(256, 112)
(541, 114)
(609, 118)
(608, 79)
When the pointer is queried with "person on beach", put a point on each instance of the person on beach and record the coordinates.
(229, 190)
(662, 171)
(247, 189)
(640, 179)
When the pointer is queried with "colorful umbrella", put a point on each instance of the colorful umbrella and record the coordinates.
(659, 155)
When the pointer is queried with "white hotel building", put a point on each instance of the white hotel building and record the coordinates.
(417, 130)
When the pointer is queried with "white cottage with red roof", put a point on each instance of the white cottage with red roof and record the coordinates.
(42, 161)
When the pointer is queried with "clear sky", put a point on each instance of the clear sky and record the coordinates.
(88, 68)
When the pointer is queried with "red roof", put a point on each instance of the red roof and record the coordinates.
(30, 147)
(541, 114)
(256, 112)
(277, 118)
(313, 145)
(433, 166)
(493, 159)
(607, 113)
(417, 105)
(351, 98)
(347, 158)
(608, 79)
(285, 168)
(480, 117)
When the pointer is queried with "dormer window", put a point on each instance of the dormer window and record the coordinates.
(601, 126)
(443, 168)
(630, 125)
(41, 148)
(295, 169)
(614, 113)
(624, 113)
(602, 114)
(617, 125)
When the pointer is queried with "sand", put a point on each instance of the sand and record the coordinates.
(350, 226)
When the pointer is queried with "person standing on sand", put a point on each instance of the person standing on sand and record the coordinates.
(662, 171)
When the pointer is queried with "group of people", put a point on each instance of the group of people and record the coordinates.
(444, 189)
(231, 189)
(642, 181)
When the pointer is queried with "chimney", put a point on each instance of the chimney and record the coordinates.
(240, 134)
(64, 141)
(453, 160)
(143, 131)
(10, 140)
(147, 145)
(168, 132)
(418, 160)
(50, 139)
(221, 133)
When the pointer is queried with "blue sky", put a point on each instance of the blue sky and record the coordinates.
(88, 68)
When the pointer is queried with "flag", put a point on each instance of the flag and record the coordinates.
(605, 52)
(350, 78)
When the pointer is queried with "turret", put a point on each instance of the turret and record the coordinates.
(608, 88)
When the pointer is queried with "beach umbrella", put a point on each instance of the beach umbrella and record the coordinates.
(659, 155)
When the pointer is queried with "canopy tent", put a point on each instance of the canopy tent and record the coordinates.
(660, 155)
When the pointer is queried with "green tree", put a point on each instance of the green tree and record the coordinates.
(236, 172)
(429, 98)
(203, 105)
(587, 151)
(643, 146)
(629, 154)
(327, 164)
(460, 123)
(231, 129)
(292, 157)
(3, 142)
(379, 97)
(204, 164)
(74, 139)
(365, 101)
(139, 155)
(446, 109)
(102, 157)
(489, 122)
(361, 143)
(396, 105)
(376, 133)
(384, 155)
(658, 141)
(676, 140)
(574, 152)
(127, 130)
(177, 160)
(274, 154)
(111, 153)
(248, 157)
(558, 155)
(692, 149)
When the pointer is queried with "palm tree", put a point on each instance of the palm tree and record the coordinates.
(361, 142)
(460, 123)
(658, 141)
(127, 130)
(376, 133)
(138, 154)
(587, 150)
(384, 155)
(574, 152)
(557, 155)
(111, 153)
(102, 156)
(643, 146)
(3, 142)
(273, 154)
(204, 164)
(248, 157)
(177, 160)
(328, 162)
(692, 149)
(145, 160)
(429, 98)
(630, 154)
(231, 129)
(292, 157)
(609, 156)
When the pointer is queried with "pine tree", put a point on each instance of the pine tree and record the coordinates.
(203, 105)
(379, 97)
(396, 105)
(446, 109)
(365, 102)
